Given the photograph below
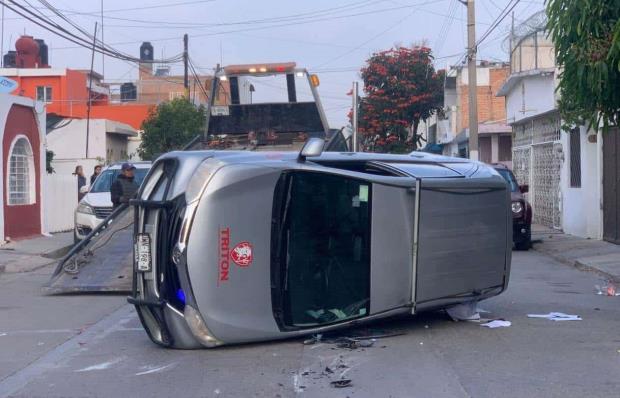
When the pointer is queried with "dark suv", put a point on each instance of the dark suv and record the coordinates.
(521, 210)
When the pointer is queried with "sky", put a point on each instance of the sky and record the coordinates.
(332, 38)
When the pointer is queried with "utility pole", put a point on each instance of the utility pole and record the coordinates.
(90, 89)
(354, 117)
(185, 65)
(102, 54)
(2, 39)
(472, 80)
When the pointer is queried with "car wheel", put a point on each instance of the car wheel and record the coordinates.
(526, 243)
(76, 240)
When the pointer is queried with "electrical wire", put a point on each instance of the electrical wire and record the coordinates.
(498, 20)
(446, 25)
(296, 23)
(86, 33)
(51, 26)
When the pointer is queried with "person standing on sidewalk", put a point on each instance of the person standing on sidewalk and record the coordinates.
(124, 188)
(81, 181)
(96, 173)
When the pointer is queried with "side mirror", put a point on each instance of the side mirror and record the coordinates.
(84, 189)
(313, 147)
(524, 188)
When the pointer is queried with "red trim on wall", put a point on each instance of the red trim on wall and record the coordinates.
(22, 220)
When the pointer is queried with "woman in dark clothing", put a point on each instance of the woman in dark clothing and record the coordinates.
(96, 173)
(81, 180)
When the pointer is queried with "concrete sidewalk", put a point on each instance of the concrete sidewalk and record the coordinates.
(586, 254)
(31, 254)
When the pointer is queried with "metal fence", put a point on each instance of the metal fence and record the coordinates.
(537, 160)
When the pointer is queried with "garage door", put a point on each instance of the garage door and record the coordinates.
(611, 183)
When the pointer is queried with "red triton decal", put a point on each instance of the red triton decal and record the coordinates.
(242, 254)
(224, 263)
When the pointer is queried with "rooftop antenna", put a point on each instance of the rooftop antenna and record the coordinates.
(221, 54)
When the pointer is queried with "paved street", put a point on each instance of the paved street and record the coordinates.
(93, 346)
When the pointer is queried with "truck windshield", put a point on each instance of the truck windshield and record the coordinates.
(103, 183)
(324, 246)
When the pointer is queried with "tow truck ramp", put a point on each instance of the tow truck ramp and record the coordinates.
(102, 262)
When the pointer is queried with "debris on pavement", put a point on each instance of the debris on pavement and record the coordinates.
(352, 344)
(315, 339)
(556, 316)
(607, 290)
(466, 312)
(353, 340)
(342, 383)
(497, 323)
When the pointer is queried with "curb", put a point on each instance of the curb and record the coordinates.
(576, 263)
(57, 253)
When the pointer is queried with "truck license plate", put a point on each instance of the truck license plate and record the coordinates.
(143, 252)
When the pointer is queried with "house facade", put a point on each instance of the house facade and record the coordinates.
(22, 167)
(564, 169)
(451, 130)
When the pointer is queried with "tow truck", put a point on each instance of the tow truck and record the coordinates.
(235, 120)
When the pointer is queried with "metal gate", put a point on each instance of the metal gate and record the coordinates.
(611, 186)
(537, 160)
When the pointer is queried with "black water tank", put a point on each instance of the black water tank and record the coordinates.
(42, 52)
(146, 51)
(9, 59)
(128, 92)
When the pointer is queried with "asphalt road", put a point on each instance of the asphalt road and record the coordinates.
(93, 346)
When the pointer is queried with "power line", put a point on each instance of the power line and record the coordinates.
(498, 20)
(445, 27)
(97, 13)
(51, 26)
(296, 23)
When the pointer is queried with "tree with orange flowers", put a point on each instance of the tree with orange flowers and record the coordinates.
(401, 89)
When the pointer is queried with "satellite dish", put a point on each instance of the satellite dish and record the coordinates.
(7, 85)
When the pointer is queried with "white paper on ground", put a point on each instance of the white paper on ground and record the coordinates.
(498, 323)
(556, 316)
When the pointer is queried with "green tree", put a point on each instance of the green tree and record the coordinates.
(586, 36)
(402, 88)
(170, 126)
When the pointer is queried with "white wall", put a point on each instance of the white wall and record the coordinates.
(60, 201)
(482, 76)
(581, 207)
(536, 92)
(69, 141)
(66, 167)
(132, 146)
(116, 147)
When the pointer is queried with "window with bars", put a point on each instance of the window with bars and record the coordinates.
(44, 93)
(21, 164)
(575, 158)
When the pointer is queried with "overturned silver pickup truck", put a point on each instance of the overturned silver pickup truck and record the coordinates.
(234, 246)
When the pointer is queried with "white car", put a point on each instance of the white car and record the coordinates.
(96, 205)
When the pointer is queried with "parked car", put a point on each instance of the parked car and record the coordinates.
(521, 209)
(97, 204)
(237, 246)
